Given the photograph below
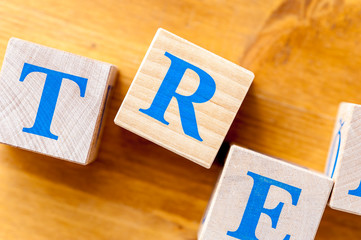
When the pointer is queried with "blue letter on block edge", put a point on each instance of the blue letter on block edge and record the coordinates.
(356, 192)
(167, 91)
(49, 97)
(255, 207)
(337, 140)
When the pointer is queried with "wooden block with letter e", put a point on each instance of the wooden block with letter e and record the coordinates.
(259, 197)
(184, 98)
(344, 160)
(52, 102)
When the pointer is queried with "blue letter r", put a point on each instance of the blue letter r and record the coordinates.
(167, 91)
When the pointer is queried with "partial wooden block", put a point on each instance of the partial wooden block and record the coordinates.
(344, 160)
(52, 102)
(259, 197)
(184, 98)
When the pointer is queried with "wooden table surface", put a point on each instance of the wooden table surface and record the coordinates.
(305, 55)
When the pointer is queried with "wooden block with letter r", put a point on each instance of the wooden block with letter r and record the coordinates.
(52, 102)
(259, 197)
(344, 160)
(184, 98)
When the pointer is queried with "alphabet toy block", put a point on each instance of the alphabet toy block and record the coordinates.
(52, 102)
(184, 98)
(259, 197)
(344, 161)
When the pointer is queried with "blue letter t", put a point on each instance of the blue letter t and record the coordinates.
(49, 97)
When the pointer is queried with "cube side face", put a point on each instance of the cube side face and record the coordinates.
(50, 100)
(340, 131)
(211, 202)
(184, 98)
(98, 131)
(205, 215)
(251, 183)
(346, 194)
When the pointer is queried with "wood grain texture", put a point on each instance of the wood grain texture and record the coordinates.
(213, 111)
(306, 58)
(72, 131)
(300, 214)
(344, 160)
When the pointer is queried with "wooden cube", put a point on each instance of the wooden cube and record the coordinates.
(344, 160)
(259, 197)
(52, 102)
(184, 98)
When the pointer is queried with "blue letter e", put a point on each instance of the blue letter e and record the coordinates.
(49, 97)
(167, 91)
(255, 207)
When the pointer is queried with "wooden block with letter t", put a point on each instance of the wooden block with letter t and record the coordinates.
(259, 197)
(344, 160)
(52, 102)
(184, 98)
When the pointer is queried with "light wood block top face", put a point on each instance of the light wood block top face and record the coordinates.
(52, 102)
(344, 161)
(184, 98)
(259, 197)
